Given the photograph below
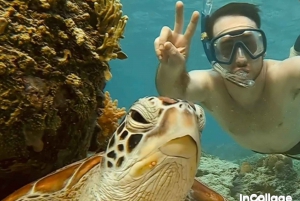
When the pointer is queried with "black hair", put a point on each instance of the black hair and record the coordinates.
(250, 11)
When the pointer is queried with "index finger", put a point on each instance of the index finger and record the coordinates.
(178, 26)
(190, 30)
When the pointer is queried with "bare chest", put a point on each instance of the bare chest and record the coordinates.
(271, 125)
(263, 118)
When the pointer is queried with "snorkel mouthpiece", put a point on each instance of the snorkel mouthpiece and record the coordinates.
(239, 78)
(242, 76)
(241, 73)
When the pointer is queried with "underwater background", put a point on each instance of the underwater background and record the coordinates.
(135, 77)
(59, 103)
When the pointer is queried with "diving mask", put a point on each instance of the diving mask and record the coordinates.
(225, 46)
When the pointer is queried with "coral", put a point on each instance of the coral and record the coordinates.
(110, 13)
(277, 164)
(53, 69)
(110, 116)
(274, 174)
(245, 167)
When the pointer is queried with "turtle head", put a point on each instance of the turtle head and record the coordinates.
(155, 133)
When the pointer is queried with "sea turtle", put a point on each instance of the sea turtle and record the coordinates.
(152, 156)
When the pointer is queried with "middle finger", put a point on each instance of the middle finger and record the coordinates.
(190, 30)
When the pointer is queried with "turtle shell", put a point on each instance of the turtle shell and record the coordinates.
(62, 184)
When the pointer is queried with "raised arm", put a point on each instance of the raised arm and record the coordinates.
(172, 48)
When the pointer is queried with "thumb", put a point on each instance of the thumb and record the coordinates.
(174, 56)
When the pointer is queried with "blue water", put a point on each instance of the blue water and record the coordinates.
(134, 77)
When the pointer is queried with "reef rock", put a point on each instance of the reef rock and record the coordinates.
(54, 58)
(274, 174)
(218, 174)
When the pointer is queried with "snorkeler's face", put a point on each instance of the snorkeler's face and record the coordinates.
(238, 28)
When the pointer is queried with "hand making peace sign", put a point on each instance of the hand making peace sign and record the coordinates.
(172, 47)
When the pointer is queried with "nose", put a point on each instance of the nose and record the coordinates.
(241, 60)
(240, 53)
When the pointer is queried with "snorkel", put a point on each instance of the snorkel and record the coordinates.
(239, 78)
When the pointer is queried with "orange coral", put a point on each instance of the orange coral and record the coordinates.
(110, 115)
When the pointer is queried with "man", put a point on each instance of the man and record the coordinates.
(255, 100)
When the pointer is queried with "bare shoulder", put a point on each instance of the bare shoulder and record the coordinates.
(202, 76)
(201, 84)
(288, 66)
(292, 65)
(286, 71)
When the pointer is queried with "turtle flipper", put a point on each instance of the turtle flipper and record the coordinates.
(59, 185)
(201, 192)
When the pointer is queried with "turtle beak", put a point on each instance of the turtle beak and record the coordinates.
(184, 147)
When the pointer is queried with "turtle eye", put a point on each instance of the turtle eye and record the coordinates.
(136, 116)
(192, 106)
